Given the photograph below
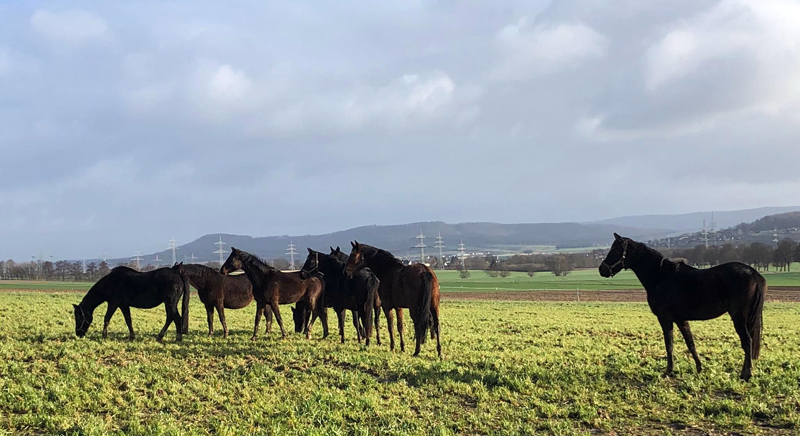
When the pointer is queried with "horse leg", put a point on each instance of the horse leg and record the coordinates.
(340, 315)
(400, 329)
(377, 326)
(126, 312)
(390, 326)
(268, 320)
(323, 317)
(176, 318)
(747, 345)
(259, 312)
(686, 332)
(221, 313)
(435, 313)
(277, 312)
(210, 319)
(666, 327)
(107, 319)
(160, 336)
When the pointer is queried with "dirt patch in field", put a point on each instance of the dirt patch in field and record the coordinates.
(782, 293)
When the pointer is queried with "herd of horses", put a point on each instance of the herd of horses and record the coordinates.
(370, 279)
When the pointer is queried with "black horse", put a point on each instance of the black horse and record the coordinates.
(124, 288)
(678, 293)
(221, 292)
(342, 293)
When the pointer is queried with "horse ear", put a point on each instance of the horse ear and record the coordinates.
(75, 306)
(354, 244)
(310, 250)
(338, 250)
(617, 237)
(332, 250)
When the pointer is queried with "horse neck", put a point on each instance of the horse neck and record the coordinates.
(93, 298)
(199, 276)
(646, 264)
(381, 263)
(332, 266)
(256, 271)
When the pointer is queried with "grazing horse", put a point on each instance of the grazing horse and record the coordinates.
(124, 288)
(678, 293)
(219, 291)
(401, 286)
(272, 287)
(342, 293)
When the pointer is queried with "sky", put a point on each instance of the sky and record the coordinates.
(124, 124)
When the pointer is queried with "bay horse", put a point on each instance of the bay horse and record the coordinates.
(401, 286)
(220, 292)
(342, 293)
(678, 293)
(123, 288)
(272, 287)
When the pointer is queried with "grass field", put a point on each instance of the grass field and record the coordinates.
(588, 280)
(509, 368)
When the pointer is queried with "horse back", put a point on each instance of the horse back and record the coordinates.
(701, 294)
(143, 290)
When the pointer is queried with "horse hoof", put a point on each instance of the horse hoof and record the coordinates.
(253, 338)
(179, 339)
(745, 376)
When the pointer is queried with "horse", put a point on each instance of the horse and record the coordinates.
(337, 252)
(221, 292)
(678, 293)
(401, 286)
(124, 288)
(272, 287)
(342, 293)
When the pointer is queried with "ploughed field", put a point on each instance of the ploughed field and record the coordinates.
(508, 367)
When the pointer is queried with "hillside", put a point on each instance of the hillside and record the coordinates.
(692, 222)
(400, 238)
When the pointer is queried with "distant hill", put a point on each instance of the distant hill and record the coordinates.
(399, 239)
(692, 222)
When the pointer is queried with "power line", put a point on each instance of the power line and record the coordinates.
(220, 250)
(440, 245)
(138, 258)
(173, 246)
(290, 250)
(421, 245)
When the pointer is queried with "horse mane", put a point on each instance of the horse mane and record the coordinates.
(379, 255)
(201, 270)
(256, 261)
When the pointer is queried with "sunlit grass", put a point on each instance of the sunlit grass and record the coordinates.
(509, 367)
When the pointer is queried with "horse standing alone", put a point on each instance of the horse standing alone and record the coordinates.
(678, 293)
(124, 288)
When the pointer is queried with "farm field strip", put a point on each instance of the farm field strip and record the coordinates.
(509, 367)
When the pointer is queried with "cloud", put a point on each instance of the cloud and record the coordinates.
(73, 27)
(531, 51)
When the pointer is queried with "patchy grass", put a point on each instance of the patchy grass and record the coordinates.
(509, 368)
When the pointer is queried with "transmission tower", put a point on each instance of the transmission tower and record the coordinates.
(713, 228)
(192, 258)
(138, 258)
(290, 250)
(157, 260)
(705, 233)
(462, 253)
(173, 246)
(220, 250)
(440, 245)
(421, 245)
(775, 237)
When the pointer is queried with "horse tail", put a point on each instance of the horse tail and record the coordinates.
(754, 318)
(185, 306)
(369, 304)
(424, 315)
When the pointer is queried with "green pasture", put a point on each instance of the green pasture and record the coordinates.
(480, 282)
(508, 368)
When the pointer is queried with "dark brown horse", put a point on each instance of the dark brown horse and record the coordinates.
(124, 288)
(678, 293)
(342, 293)
(401, 286)
(220, 292)
(272, 287)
